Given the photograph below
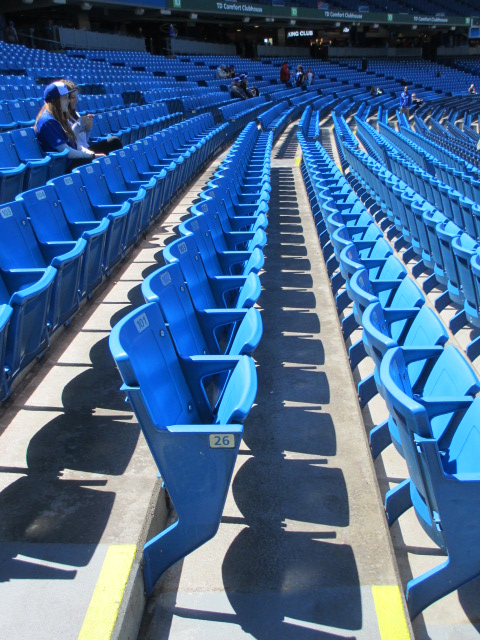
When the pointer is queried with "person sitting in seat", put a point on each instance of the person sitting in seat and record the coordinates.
(222, 72)
(82, 125)
(416, 101)
(471, 88)
(53, 128)
(252, 92)
(375, 91)
(236, 90)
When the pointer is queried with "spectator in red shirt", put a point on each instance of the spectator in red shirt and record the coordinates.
(285, 74)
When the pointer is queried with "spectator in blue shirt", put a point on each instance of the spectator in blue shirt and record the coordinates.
(53, 129)
(405, 102)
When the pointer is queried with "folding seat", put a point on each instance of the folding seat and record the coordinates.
(125, 125)
(194, 332)
(386, 328)
(238, 223)
(114, 124)
(134, 119)
(79, 211)
(446, 233)
(439, 437)
(5, 93)
(140, 201)
(211, 291)
(20, 114)
(27, 284)
(29, 151)
(220, 261)
(12, 171)
(33, 106)
(432, 218)
(227, 241)
(75, 259)
(121, 174)
(101, 127)
(152, 160)
(191, 441)
(36, 172)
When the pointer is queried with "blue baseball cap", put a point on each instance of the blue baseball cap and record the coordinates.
(55, 90)
(236, 80)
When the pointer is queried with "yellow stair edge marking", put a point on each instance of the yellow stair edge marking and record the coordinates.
(298, 160)
(106, 599)
(390, 613)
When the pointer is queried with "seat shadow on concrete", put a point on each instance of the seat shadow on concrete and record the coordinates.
(288, 147)
(469, 597)
(309, 432)
(41, 507)
(281, 579)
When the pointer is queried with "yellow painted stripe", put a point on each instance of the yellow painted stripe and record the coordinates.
(103, 609)
(390, 613)
(298, 160)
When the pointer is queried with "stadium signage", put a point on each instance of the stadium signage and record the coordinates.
(307, 14)
(300, 34)
(430, 19)
(244, 8)
(343, 15)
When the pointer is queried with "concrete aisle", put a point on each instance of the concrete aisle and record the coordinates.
(303, 550)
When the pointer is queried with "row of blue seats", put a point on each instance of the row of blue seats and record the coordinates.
(427, 387)
(440, 226)
(184, 356)
(59, 241)
(23, 164)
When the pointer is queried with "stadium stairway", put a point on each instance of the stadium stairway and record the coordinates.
(303, 550)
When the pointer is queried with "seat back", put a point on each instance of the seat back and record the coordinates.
(185, 251)
(18, 245)
(26, 144)
(167, 287)
(146, 358)
(95, 183)
(8, 154)
(73, 195)
(46, 214)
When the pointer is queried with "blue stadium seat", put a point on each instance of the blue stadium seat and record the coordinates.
(194, 444)
(36, 172)
(29, 151)
(385, 329)
(141, 199)
(12, 171)
(27, 284)
(204, 331)
(221, 262)
(79, 211)
(134, 179)
(444, 475)
(211, 291)
(238, 223)
(60, 249)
